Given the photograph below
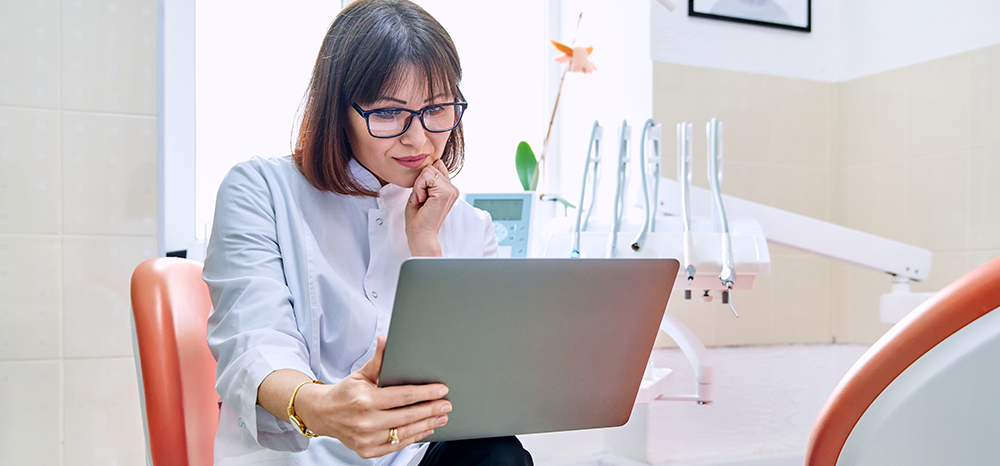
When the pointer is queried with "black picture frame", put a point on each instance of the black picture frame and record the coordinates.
(736, 19)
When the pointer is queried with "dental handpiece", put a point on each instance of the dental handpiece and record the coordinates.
(650, 169)
(621, 183)
(728, 274)
(685, 170)
(593, 159)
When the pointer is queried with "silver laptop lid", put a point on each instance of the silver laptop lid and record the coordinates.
(527, 345)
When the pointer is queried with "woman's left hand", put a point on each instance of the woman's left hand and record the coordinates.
(432, 198)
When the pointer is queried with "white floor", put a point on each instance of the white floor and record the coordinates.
(766, 400)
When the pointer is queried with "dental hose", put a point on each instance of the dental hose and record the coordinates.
(581, 221)
(647, 222)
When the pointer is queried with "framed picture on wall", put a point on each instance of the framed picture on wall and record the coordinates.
(786, 14)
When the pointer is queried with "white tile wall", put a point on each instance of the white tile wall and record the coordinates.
(78, 210)
(30, 170)
(96, 274)
(103, 420)
(29, 53)
(31, 406)
(110, 180)
(109, 56)
(30, 297)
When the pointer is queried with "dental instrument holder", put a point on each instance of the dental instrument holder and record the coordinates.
(713, 130)
(654, 244)
(593, 160)
(622, 177)
(651, 133)
(685, 170)
(694, 351)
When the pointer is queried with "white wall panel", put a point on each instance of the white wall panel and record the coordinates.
(109, 56)
(30, 171)
(30, 297)
(110, 180)
(31, 393)
(29, 53)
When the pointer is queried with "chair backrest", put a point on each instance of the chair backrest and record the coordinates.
(170, 306)
(925, 393)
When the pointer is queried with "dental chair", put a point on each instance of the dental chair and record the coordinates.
(928, 391)
(170, 305)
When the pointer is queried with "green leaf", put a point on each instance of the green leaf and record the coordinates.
(525, 162)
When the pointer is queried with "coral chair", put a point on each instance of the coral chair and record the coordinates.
(170, 306)
(926, 392)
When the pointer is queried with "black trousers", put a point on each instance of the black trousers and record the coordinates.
(499, 451)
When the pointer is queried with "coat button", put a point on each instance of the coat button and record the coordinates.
(374, 294)
(378, 221)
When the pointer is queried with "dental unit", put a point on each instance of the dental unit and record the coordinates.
(719, 254)
(719, 239)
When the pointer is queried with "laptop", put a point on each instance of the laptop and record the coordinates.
(527, 345)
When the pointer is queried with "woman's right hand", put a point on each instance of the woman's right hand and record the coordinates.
(360, 414)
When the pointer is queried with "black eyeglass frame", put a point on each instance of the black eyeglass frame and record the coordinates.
(413, 113)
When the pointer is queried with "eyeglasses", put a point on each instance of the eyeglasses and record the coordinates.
(385, 123)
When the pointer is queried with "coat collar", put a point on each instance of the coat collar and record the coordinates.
(389, 195)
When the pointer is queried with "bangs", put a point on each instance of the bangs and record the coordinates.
(399, 46)
(436, 81)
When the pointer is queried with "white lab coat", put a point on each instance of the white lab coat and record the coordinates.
(303, 279)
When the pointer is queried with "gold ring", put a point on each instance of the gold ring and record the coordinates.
(393, 436)
(431, 184)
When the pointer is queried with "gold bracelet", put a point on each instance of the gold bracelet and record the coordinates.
(294, 418)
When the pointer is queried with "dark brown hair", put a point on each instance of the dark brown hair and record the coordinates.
(363, 57)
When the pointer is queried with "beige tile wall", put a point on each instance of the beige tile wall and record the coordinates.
(921, 155)
(78, 187)
(911, 154)
(778, 151)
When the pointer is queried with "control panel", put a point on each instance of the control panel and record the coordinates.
(512, 215)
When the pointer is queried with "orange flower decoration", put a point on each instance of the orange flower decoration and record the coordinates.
(578, 57)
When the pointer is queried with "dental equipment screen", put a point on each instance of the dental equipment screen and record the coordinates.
(506, 209)
(512, 215)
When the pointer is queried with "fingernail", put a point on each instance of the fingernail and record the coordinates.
(444, 391)
(446, 408)
(442, 420)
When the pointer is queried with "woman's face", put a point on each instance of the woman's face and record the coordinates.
(400, 159)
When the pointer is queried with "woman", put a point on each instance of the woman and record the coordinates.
(305, 253)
